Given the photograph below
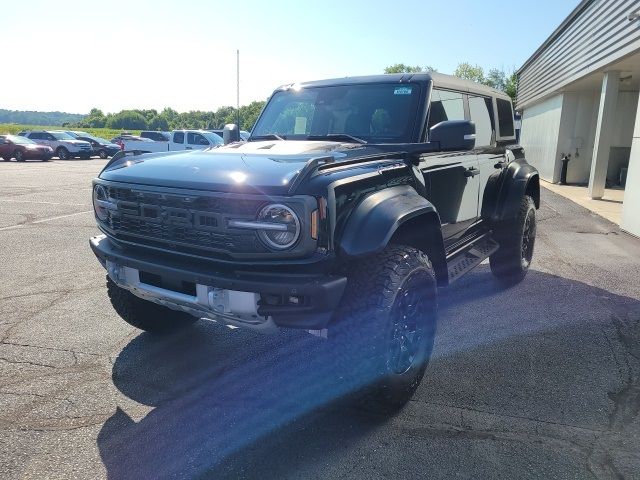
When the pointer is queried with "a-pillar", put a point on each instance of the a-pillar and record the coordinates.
(604, 133)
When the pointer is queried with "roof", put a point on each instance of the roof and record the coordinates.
(555, 34)
(439, 79)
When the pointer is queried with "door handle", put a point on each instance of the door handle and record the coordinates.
(471, 172)
(500, 164)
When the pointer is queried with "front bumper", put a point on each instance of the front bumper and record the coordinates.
(317, 296)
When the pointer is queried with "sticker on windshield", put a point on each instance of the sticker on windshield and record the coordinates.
(402, 91)
(300, 127)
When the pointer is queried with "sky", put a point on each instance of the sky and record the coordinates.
(73, 55)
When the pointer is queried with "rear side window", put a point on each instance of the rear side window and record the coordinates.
(178, 137)
(505, 117)
(480, 114)
(36, 135)
(445, 106)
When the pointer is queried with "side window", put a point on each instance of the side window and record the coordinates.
(36, 136)
(479, 112)
(178, 137)
(445, 106)
(505, 117)
(196, 139)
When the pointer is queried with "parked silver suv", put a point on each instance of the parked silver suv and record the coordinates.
(63, 144)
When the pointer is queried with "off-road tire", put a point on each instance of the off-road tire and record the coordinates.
(146, 315)
(62, 153)
(364, 334)
(510, 263)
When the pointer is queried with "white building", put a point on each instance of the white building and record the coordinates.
(578, 95)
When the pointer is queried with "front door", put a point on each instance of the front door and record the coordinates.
(452, 181)
(451, 178)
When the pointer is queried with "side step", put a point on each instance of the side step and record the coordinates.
(470, 256)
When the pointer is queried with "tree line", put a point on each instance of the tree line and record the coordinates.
(169, 119)
(495, 77)
(37, 118)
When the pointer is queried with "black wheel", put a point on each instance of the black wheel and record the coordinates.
(511, 261)
(146, 315)
(383, 332)
(62, 153)
(18, 155)
(102, 154)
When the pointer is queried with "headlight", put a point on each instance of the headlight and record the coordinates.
(285, 228)
(100, 202)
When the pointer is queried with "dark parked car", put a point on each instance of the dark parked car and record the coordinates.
(353, 201)
(101, 147)
(21, 148)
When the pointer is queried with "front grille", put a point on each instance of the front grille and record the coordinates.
(187, 223)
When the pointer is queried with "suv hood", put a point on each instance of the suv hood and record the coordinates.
(259, 167)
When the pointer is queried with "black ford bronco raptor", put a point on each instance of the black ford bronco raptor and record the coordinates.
(352, 201)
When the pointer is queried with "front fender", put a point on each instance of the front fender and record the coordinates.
(375, 220)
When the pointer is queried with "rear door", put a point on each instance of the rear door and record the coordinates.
(177, 140)
(481, 113)
(451, 178)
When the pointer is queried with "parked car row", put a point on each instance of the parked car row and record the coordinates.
(65, 144)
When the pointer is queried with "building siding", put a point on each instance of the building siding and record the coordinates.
(596, 35)
(539, 136)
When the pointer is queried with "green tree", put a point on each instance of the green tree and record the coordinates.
(465, 70)
(127, 119)
(511, 86)
(158, 123)
(403, 68)
(496, 79)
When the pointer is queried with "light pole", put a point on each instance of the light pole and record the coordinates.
(238, 88)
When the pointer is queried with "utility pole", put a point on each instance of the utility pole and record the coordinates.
(238, 88)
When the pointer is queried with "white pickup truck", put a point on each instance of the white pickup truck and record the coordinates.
(179, 140)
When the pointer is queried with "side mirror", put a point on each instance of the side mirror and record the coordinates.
(230, 133)
(453, 135)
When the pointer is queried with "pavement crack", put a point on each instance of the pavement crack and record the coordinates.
(26, 362)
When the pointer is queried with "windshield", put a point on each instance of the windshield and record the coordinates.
(20, 140)
(378, 113)
(61, 136)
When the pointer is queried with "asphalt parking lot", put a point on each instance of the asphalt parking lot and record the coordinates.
(538, 381)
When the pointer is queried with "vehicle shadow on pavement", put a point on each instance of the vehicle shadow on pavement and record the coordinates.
(230, 403)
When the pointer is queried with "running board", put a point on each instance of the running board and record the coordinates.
(466, 259)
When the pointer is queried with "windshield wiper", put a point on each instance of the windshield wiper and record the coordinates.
(270, 136)
(338, 137)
